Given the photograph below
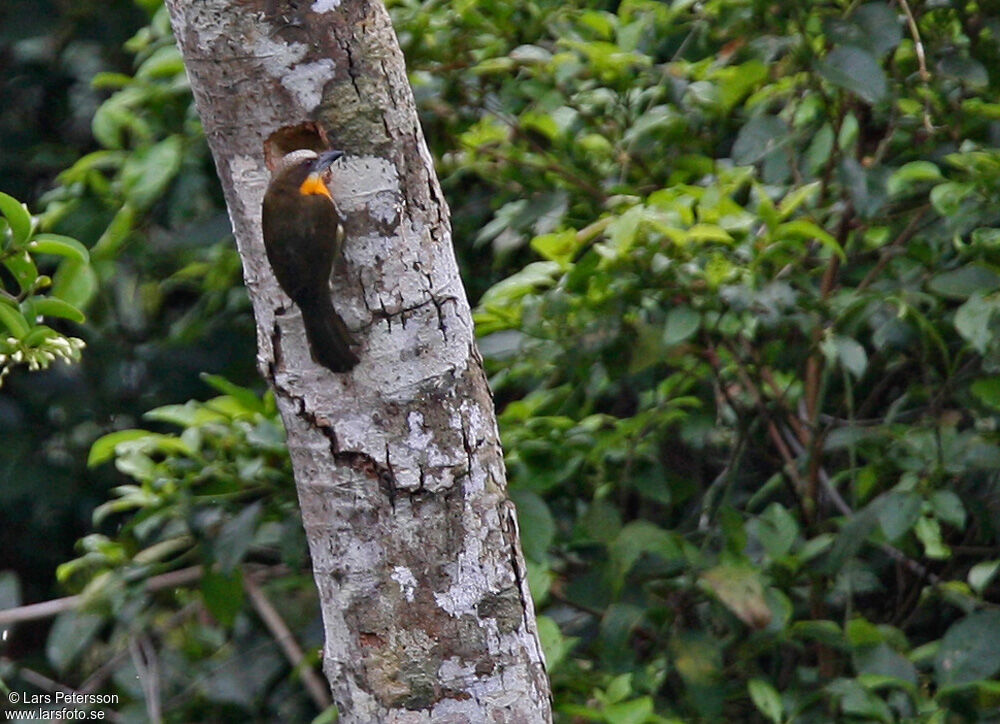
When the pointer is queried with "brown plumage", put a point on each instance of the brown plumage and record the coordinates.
(302, 236)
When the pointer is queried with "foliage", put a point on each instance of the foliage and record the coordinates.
(218, 495)
(163, 295)
(749, 359)
(26, 341)
(50, 51)
(741, 324)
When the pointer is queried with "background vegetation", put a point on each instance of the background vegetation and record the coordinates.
(737, 276)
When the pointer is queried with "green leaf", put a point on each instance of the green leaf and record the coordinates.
(881, 660)
(874, 27)
(911, 174)
(162, 550)
(880, 27)
(947, 198)
(223, 594)
(817, 155)
(852, 536)
(235, 537)
(947, 506)
(116, 234)
(961, 67)
(633, 541)
(54, 307)
(191, 414)
(541, 123)
(103, 448)
(856, 70)
(635, 711)
(17, 216)
(619, 688)
(707, 233)
(530, 54)
(560, 246)
(861, 632)
(970, 650)
(330, 715)
(618, 623)
(928, 531)
(536, 525)
(982, 574)
(10, 590)
(554, 644)
(740, 589)
(165, 62)
(75, 283)
(848, 352)
(767, 699)
(965, 281)
(14, 321)
(537, 275)
(622, 233)
(798, 196)
(976, 321)
(986, 236)
(759, 137)
(808, 230)
(110, 81)
(777, 530)
(697, 657)
(23, 268)
(60, 246)
(825, 632)
(70, 635)
(602, 522)
(681, 324)
(248, 399)
(899, 514)
(148, 171)
(979, 107)
(856, 701)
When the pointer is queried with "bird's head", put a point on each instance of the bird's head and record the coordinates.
(306, 169)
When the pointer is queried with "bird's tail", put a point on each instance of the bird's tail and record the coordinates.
(329, 338)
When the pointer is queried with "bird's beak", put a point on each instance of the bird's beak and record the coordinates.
(314, 184)
(325, 159)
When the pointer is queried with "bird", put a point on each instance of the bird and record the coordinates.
(303, 233)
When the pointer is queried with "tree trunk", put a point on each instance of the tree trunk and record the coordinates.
(398, 464)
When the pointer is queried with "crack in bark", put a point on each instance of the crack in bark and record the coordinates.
(520, 577)
(390, 487)
(354, 459)
(439, 306)
(384, 315)
(352, 71)
(468, 447)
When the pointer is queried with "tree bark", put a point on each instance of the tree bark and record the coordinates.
(398, 464)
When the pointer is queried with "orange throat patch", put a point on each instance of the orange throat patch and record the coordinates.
(314, 186)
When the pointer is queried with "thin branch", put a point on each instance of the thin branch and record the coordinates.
(840, 504)
(789, 460)
(318, 691)
(890, 251)
(549, 166)
(917, 42)
(96, 680)
(93, 682)
(48, 609)
(147, 668)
